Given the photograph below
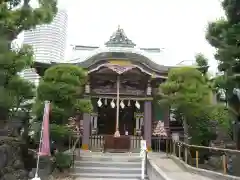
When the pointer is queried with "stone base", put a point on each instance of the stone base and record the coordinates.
(85, 147)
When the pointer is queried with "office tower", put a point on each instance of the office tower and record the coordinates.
(48, 42)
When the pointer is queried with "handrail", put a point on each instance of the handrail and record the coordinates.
(192, 154)
(210, 148)
(73, 150)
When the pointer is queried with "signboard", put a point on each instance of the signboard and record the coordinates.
(143, 145)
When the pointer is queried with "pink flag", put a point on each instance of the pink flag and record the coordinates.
(44, 146)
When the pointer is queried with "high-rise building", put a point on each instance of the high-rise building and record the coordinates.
(48, 42)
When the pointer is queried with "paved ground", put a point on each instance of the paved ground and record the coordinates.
(172, 170)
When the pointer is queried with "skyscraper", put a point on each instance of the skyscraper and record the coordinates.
(48, 42)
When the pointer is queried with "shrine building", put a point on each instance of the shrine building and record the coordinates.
(123, 82)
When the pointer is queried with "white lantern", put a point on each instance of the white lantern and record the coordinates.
(129, 103)
(99, 103)
(137, 105)
(112, 104)
(122, 104)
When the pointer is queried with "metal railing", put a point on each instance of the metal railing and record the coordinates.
(72, 150)
(221, 160)
(158, 143)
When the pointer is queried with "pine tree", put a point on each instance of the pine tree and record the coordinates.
(224, 35)
(15, 17)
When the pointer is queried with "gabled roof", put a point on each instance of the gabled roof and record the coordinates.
(119, 39)
(132, 54)
(119, 46)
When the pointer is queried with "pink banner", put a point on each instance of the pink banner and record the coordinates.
(44, 149)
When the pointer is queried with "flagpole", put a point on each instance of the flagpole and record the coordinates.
(40, 142)
(38, 157)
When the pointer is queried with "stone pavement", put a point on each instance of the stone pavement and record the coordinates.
(171, 169)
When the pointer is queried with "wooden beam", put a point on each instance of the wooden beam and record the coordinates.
(122, 97)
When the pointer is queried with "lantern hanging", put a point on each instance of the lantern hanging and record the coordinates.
(137, 105)
(122, 104)
(129, 103)
(99, 102)
(112, 104)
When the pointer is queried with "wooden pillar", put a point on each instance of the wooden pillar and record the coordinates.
(148, 123)
(86, 130)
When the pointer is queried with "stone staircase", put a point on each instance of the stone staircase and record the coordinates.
(109, 166)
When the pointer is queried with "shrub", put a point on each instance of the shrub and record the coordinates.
(63, 161)
(58, 133)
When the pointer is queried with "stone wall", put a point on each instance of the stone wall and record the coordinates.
(11, 164)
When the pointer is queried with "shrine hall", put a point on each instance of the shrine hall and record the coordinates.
(123, 82)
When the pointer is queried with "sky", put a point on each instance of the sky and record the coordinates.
(176, 26)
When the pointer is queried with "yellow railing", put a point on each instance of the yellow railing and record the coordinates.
(226, 161)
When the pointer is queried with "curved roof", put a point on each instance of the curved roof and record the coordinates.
(132, 54)
(119, 46)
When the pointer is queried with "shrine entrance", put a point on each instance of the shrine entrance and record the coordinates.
(127, 120)
(107, 120)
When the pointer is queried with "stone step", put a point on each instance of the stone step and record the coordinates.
(107, 170)
(96, 165)
(107, 175)
(109, 158)
(106, 178)
(88, 153)
(80, 163)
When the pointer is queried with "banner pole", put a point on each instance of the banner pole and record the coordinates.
(40, 142)
(38, 156)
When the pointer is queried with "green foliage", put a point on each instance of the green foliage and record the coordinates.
(63, 161)
(63, 86)
(58, 133)
(187, 91)
(222, 115)
(224, 35)
(13, 89)
(185, 88)
(18, 15)
(15, 17)
(202, 63)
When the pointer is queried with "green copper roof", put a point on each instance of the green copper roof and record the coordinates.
(119, 39)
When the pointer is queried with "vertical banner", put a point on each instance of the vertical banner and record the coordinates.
(44, 149)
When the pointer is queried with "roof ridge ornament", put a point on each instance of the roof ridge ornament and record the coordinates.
(119, 39)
